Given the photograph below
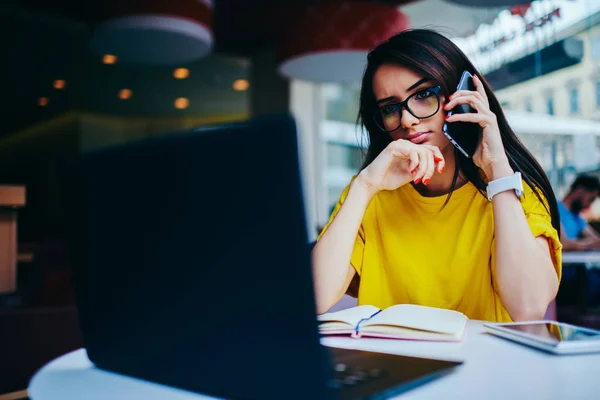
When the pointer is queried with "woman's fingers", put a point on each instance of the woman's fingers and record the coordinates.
(481, 90)
(482, 119)
(414, 161)
(474, 100)
(430, 168)
(438, 158)
(430, 161)
(424, 160)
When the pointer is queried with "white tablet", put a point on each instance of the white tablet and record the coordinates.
(551, 336)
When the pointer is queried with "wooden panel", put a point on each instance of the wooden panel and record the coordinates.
(12, 195)
(8, 251)
(20, 395)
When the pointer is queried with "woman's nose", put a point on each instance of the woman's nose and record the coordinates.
(408, 119)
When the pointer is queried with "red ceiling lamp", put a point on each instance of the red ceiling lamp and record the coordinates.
(329, 42)
(155, 31)
(520, 9)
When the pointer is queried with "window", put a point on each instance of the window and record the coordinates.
(595, 47)
(574, 100)
(528, 105)
(597, 93)
(344, 156)
(343, 162)
(550, 106)
(505, 105)
(342, 102)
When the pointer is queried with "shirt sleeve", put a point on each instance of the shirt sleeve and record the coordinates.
(540, 222)
(359, 244)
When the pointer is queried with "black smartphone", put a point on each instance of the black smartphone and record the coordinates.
(464, 136)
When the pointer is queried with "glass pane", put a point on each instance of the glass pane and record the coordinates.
(342, 102)
(574, 101)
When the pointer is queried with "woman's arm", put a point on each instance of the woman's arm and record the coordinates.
(399, 163)
(332, 271)
(527, 280)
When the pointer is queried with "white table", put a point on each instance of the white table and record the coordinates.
(581, 257)
(494, 369)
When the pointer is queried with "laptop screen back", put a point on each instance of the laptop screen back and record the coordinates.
(191, 261)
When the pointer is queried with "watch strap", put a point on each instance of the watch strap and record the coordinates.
(512, 182)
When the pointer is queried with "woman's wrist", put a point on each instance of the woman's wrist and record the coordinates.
(497, 170)
(363, 184)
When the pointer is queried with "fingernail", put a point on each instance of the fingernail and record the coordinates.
(417, 180)
(426, 181)
(447, 117)
(442, 170)
(413, 171)
(451, 97)
(436, 159)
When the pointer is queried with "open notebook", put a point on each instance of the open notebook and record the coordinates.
(402, 321)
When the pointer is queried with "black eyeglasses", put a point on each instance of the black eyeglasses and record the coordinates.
(422, 104)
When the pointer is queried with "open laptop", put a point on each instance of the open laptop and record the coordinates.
(192, 269)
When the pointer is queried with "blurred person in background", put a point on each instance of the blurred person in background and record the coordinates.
(578, 235)
(415, 224)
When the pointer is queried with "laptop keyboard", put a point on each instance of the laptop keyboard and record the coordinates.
(355, 374)
(348, 376)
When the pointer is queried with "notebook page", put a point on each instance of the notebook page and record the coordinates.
(404, 333)
(420, 317)
(350, 316)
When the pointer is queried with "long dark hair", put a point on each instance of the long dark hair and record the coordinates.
(434, 56)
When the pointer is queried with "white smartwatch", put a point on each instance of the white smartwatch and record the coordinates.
(512, 182)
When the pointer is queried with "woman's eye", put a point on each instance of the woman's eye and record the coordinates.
(388, 110)
(423, 94)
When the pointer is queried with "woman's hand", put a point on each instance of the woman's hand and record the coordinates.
(401, 162)
(490, 155)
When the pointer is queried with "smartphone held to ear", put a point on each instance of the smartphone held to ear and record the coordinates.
(464, 136)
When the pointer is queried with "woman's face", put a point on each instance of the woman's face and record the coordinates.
(393, 84)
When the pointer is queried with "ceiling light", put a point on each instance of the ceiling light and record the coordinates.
(181, 103)
(125, 94)
(109, 59)
(43, 101)
(59, 84)
(240, 85)
(181, 73)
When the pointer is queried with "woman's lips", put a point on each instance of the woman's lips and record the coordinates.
(419, 137)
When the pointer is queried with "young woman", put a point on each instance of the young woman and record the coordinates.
(415, 225)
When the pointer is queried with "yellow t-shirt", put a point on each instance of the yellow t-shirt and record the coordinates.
(410, 250)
